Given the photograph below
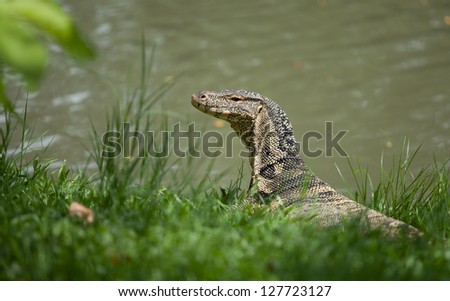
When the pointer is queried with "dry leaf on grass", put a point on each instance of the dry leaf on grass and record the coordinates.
(80, 211)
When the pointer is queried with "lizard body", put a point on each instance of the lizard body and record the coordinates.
(278, 169)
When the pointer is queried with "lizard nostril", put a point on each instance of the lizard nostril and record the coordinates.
(203, 96)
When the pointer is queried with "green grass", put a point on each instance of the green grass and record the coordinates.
(417, 196)
(154, 222)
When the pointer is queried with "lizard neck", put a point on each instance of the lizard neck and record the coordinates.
(276, 164)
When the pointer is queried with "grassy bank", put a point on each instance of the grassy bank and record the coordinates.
(146, 228)
(156, 234)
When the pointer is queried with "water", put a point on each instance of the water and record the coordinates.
(379, 69)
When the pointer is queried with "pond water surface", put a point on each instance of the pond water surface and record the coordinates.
(379, 69)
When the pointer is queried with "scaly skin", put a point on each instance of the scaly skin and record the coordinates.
(278, 169)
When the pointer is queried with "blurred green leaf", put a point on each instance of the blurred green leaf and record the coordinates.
(24, 27)
(20, 50)
(3, 99)
(52, 20)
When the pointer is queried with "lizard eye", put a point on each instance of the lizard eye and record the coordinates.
(235, 98)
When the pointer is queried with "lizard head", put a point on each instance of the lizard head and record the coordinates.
(234, 106)
(240, 108)
(250, 114)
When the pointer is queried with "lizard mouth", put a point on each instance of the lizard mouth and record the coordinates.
(199, 101)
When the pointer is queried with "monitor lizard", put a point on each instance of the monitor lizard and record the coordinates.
(278, 171)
